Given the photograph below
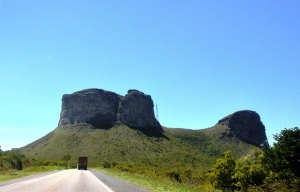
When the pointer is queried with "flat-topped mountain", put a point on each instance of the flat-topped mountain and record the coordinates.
(108, 127)
(104, 109)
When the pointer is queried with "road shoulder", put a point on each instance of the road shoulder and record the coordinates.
(117, 184)
(9, 182)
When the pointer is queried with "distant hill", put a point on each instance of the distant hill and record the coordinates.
(123, 145)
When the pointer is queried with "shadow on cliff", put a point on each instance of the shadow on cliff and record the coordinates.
(151, 133)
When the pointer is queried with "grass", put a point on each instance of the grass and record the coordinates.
(14, 174)
(147, 182)
(182, 155)
(123, 145)
(155, 184)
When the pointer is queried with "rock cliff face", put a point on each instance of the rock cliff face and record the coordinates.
(247, 126)
(103, 109)
(136, 111)
(94, 106)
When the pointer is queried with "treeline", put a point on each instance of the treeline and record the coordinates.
(10, 161)
(276, 168)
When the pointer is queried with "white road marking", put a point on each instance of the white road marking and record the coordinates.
(106, 187)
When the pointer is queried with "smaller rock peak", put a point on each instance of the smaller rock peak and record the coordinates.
(247, 126)
(239, 115)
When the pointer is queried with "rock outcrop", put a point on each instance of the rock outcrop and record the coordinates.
(93, 106)
(247, 126)
(136, 111)
(103, 109)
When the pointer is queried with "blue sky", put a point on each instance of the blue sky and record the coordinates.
(199, 60)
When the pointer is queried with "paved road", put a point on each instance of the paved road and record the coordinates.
(69, 180)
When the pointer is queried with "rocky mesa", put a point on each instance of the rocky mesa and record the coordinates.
(103, 109)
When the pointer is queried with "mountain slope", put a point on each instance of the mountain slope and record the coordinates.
(195, 149)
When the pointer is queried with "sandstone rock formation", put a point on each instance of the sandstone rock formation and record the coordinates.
(103, 109)
(247, 126)
(136, 111)
(94, 106)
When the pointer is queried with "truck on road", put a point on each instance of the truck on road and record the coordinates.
(82, 163)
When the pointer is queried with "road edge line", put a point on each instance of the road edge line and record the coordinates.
(106, 187)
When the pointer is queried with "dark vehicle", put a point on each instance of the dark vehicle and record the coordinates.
(82, 163)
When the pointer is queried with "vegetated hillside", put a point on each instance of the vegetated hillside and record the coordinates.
(184, 148)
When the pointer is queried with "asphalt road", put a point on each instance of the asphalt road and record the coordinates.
(69, 180)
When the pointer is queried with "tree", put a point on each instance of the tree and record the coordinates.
(250, 171)
(222, 173)
(66, 159)
(10, 160)
(284, 157)
(4, 164)
(15, 160)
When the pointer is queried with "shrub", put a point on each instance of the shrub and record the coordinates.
(106, 165)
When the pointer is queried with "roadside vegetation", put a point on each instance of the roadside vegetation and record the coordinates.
(191, 149)
(272, 169)
(276, 168)
(183, 162)
(154, 183)
(15, 165)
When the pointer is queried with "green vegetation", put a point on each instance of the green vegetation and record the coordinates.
(231, 174)
(282, 161)
(14, 165)
(250, 171)
(13, 174)
(157, 184)
(284, 157)
(186, 178)
(10, 160)
(274, 169)
(66, 159)
(181, 156)
(194, 149)
(181, 160)
(222, 175)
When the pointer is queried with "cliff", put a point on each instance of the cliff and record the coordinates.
(247, 126)
(103, 109)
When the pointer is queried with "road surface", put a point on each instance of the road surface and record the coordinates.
(69, 180)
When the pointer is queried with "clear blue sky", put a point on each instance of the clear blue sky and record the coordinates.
(199, 60)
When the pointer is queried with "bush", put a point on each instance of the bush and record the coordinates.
(106, 165)
(222, 175)
(174, 175)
